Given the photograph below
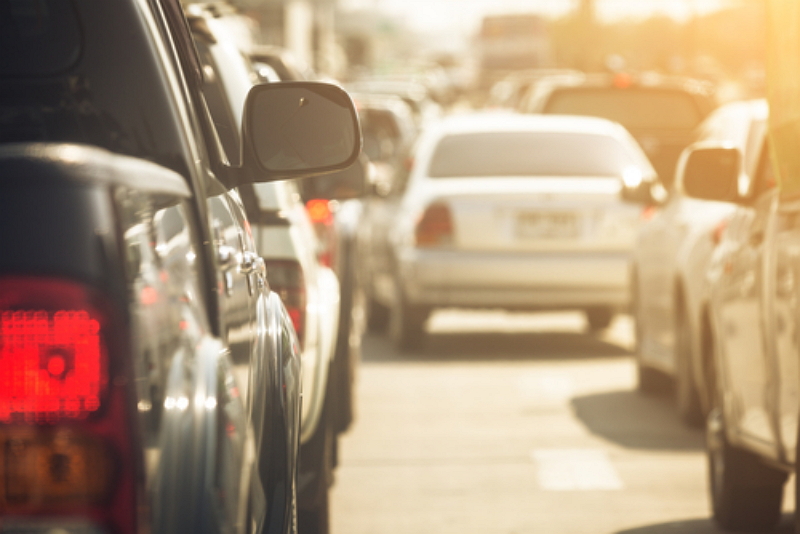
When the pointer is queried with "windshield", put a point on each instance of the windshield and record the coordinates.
(633, 108)
(529, 154)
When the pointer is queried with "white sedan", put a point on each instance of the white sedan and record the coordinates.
(513, 212)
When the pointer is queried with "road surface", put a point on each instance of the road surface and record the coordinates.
(516, 424)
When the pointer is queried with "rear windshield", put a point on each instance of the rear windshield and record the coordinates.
(530, 154)
(37, 37)
(633, 108)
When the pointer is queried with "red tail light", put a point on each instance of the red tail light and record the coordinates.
(286, 278)
(320, 211)
(435, 227)
(719, 231)
(648, 212)
(65, 441)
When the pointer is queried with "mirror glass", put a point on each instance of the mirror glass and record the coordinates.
(301, 127)
(712, 173)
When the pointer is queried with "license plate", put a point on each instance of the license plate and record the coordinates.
(547, 225)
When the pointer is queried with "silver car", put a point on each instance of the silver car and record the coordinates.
(515, 212)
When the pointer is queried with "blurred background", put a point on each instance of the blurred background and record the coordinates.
(460, 48)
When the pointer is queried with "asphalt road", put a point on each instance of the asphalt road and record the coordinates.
(516, 424)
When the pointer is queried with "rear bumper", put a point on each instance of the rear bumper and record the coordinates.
(516, 281)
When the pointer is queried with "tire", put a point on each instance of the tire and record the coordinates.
(406, 322)
(598, 318)
(687, 397)
(649, 381)
(377, 316)
(746, 494)
(316, 459)
(347, 357)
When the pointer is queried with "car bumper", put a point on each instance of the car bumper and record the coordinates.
(516, 281)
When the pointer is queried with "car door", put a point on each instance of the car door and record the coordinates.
(655, 268)
(782, 313)
(242, 272)
(741, 321)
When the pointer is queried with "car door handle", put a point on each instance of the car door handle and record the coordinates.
(253, 264)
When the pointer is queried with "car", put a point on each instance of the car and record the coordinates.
(661, 112)
(749, 335)
(116, 196)
(269, 59)
(333, 204)
(416, 95)
(288, 244)
(513, 211)
(670, 259)
(388, 130)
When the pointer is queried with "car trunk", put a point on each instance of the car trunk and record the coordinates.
(538, 214)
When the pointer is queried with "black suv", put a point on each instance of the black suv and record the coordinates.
(149, 381)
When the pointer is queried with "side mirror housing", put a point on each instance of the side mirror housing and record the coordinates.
(298, 129)
(647, 192)
(710, 172)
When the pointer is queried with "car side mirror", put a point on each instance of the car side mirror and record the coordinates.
(297, 129)
(647, 192)
(710, 172)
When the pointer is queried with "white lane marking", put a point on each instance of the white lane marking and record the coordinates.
(575, 470)
(546, 387)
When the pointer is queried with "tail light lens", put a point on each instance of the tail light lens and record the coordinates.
(286, 278)
(648, 212)
(435, 227)
(320, 211)
(65, 441)
(719, 231)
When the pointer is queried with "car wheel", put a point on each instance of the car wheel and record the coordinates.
(649, 381)
(347, 356)
(686, 394)
(598, 318)
(746, 494)
(316, 459)
(377, 316)
(406, 322)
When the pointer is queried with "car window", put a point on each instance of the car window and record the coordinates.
(633, 108)
(38, 37)
(219, 106)
(529, 154)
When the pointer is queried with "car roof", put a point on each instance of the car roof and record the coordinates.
(513, 122)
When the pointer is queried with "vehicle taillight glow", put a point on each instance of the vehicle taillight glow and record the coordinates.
(435, 227)
(286, 279)
(648, 212)
(319, 211)
(51, 365)
(66, 444)
(622, 80)
(719, 231)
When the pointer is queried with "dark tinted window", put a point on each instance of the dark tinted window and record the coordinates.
(219, 106)
(37, 37)
(633, 108)
(529, 154)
